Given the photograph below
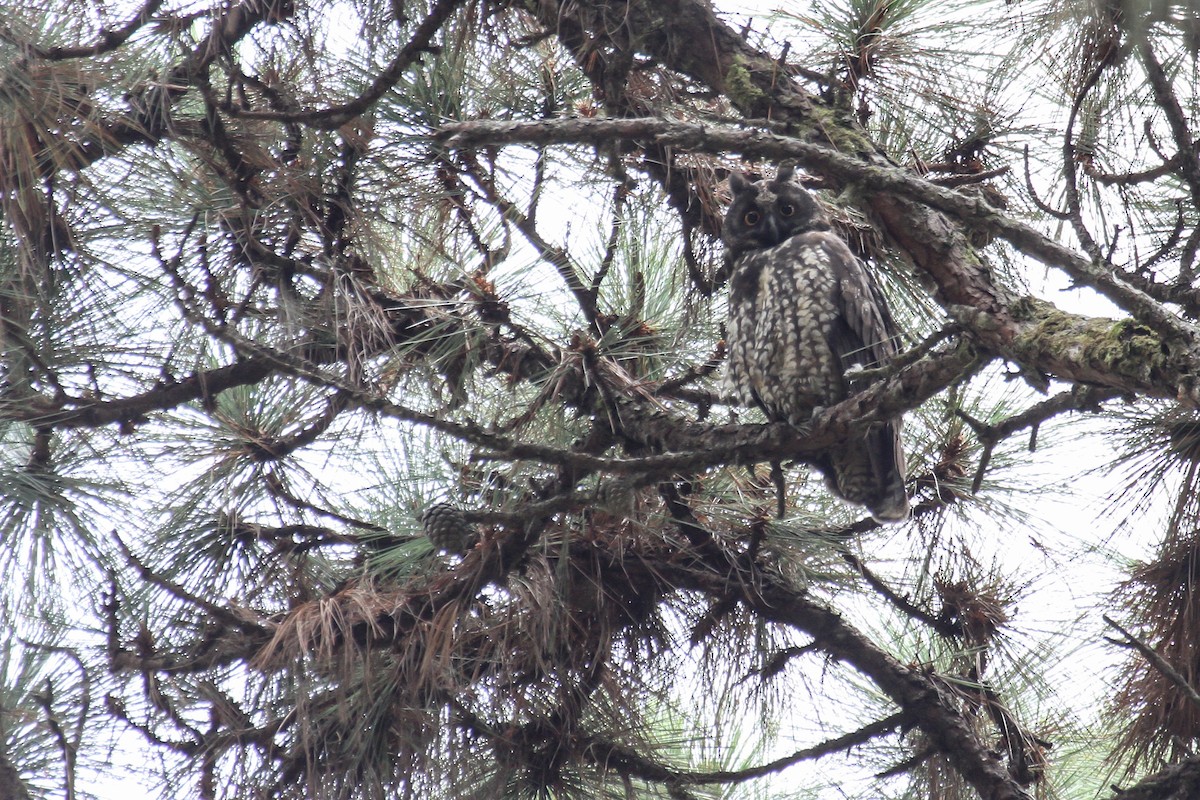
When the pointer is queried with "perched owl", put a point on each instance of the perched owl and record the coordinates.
(803, 309)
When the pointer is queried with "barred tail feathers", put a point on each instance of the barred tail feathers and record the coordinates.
(870, 471)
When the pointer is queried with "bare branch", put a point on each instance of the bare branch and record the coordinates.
(1158, 662)
(334, 117)
(764, 144)
(1079, 398)
(552, 254)
(943, 627)
(1071, 154)
(107, 40)
(629, 762)
(1164, 95)
(1170, 783)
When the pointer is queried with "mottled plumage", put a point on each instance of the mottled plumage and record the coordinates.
(803, 309)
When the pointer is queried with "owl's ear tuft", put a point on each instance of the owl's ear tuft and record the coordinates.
(738, 182)
(786, 171)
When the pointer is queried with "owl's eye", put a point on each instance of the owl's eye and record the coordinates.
(787, 209)
(751, 218)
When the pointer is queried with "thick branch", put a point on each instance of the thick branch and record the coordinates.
(129, 410)
(957, 287)
(919, 696)
(1175, 782)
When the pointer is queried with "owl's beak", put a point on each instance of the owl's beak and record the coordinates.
(771, 231)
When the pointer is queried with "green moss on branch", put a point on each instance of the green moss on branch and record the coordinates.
(1108, 347)
(740, 87)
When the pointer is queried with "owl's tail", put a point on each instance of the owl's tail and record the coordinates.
(870, 471)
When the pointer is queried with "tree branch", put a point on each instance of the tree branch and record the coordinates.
(1164, 96)
(1157, 661)
(919, 696)
(755, 143)
(107, 40)
(334, 117)
(1176, 782)
(626, 761)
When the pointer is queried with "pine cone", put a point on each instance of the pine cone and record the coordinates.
(447, 528)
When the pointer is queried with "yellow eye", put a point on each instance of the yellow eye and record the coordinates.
(787, 209)
(751, 218)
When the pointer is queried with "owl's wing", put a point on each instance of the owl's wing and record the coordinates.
(865, 333)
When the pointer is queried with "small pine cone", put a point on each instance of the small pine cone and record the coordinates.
(447, 528)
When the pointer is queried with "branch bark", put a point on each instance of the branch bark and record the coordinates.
(962, 279)
(1175, 782)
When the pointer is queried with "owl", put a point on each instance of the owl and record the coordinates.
(802, 311)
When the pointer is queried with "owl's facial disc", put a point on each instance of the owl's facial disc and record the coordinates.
(768, 232)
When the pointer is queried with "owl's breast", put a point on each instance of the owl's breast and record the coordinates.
(782, 314)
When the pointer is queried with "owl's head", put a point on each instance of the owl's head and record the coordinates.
(767, 212)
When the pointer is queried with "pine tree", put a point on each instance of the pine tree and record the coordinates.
(364, 431)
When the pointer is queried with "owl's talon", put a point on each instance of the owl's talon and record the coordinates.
(804, 424)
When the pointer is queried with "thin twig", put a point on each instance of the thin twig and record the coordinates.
(1069, 158)
(334, 117)
(945, 628)
(844, 742)
(1157, 661)
(970, 178)
(1044, 207)
(1164, 96)
(907, 357)
(45, 699)
(759, 143)
(216, 610)
(990, 434)
(552, 254)
(107, 40)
